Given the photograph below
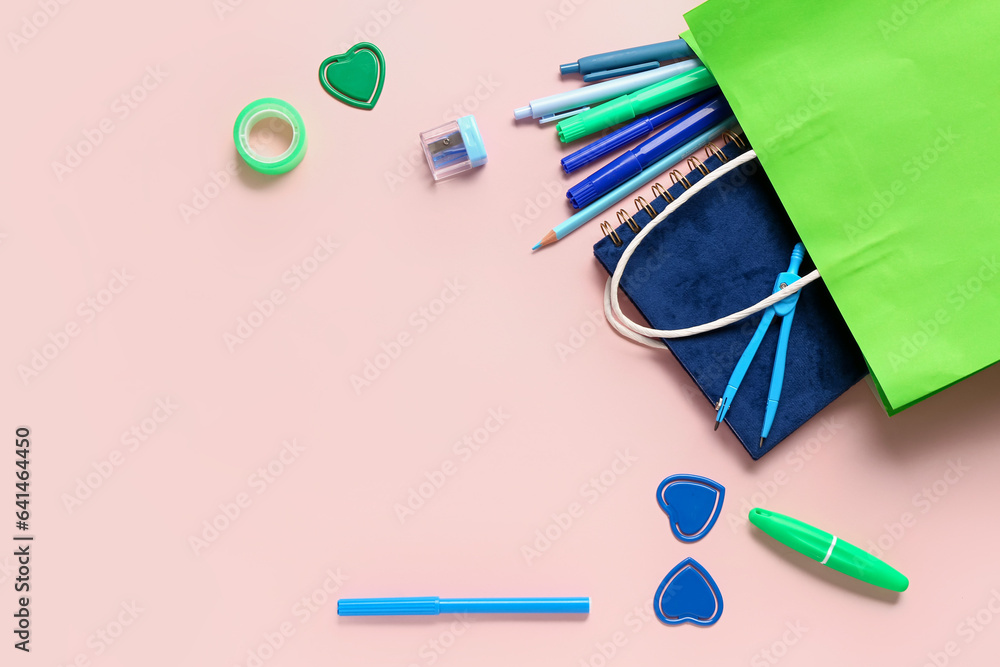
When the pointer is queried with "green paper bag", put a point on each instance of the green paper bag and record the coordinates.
(875, 121)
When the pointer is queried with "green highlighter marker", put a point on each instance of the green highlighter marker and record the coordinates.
(627, 107)
(828, 550)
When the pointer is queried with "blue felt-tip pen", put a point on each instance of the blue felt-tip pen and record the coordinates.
(635, 130)
(432, 606)
(632, 162)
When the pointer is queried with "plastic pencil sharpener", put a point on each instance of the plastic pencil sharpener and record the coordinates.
(453, 148)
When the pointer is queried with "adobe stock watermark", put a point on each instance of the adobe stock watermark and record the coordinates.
(292, 280)
(716, 27)
(739, 177)
(121, 109)
(434, 648)
(303, 610)
(8, 568)
(912, 345)
(408, 163)
(230, 511)
(562, 12)
(780, 647)
(57, 341)
(105, 637)
(202, 196)
(815, 101)
(549, 193)
(967, 630)
(101, 640)
(922, 502)
(464, 449)
(131, 440)
(32, 24)
(381, 18)
(650, 265)
(590, 492)
(912, 171)
(606, 651)
(795, 460)
(579, 335)
(900, 15)
(722, 363)
(633, 622)
(223, 8)
(418, 323)
(787, 126)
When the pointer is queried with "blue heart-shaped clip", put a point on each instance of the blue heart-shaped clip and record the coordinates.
(693, 504)
(688, 594)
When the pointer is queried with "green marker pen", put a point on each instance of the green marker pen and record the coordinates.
(828, 550)
(625, 108)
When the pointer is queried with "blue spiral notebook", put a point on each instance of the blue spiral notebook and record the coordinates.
(719, 253)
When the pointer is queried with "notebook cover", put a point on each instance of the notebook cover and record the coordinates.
(719, 253)
(872, 119)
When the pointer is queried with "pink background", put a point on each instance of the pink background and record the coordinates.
(500, 345)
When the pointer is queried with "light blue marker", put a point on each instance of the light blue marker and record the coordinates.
(432, 606)
(784, 309)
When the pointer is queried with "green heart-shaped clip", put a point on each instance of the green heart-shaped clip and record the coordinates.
(355, 77)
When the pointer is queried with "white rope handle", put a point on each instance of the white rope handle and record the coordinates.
(651, 337)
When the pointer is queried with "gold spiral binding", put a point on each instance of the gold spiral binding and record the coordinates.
(712, 149)
(624, 217)
(642, 205)
(678, 177)
(660, 191)
(694, 163)
(733, 138)
(610, 231)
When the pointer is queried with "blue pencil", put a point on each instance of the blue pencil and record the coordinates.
(577, 220)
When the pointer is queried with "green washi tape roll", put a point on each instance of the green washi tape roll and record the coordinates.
(265, 109)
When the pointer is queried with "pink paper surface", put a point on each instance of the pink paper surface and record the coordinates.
(496, 389)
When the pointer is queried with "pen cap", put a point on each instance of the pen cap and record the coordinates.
(453, 148)
(626, 107)
(596, 119)
(858, 563)
(802, 537)
(426, 606)
(515, 606)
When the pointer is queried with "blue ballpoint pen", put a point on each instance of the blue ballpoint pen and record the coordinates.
(784, 309)
(627, 61)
